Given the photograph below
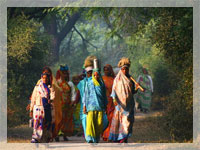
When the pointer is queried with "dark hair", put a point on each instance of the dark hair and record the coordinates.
(47, 68)
(50, 74)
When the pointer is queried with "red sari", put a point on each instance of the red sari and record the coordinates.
(110, 107)
(67, 125)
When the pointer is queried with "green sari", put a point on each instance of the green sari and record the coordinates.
(144, 98)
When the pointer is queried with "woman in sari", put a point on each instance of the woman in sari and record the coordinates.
(66, 127)
(122, 94)
(144, 98)
(56, 93)
(94, 104)
(40, 110)
(108, 79)
(76, 105)
(81, 93)
(56, 104)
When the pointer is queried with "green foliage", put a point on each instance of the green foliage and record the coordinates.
(26, 53)
(74, 49)
(174, 38)
(21, 39)
(160, 39)
(144, 53)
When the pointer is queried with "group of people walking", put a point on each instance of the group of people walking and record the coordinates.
(92, 105)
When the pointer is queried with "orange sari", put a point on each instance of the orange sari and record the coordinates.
(57, 113)
(67, 110)
(108, 81)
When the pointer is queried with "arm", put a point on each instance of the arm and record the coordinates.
(151, 83)
(33, 99)
(52, 93)
(113, 95)
(134, 90)
(85, 98)
(138, 79)
(77, 100)
(73, 91)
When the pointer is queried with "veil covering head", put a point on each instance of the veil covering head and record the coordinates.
(111, 69)
(144, 70)
(47, 69)
(124, 62)
(59, 71)
(64, 67)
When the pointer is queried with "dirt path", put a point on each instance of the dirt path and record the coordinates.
(22, 134)
(147, 134)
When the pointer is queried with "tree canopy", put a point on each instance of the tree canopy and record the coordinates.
(160, 39)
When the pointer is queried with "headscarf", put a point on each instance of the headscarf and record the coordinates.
(49, 72)
(100, 81)
(43, 88)
(62, 68)
(123, 88)
(143, 70)
(124, 62)
(48, 76)
(111, 69)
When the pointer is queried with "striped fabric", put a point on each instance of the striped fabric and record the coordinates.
(144, 98)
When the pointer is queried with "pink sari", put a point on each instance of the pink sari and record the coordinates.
(123, 117)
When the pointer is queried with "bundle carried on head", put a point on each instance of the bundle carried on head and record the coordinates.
(124, 62)
(89, 61)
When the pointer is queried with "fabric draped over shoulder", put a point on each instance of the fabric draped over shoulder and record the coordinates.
(67, 125)
(144, 98)
(41, 112)
(123, 117)
(95, 95)
(57, 107)
(95, 102)
(123, 88)
(108, 80)
(81, 86)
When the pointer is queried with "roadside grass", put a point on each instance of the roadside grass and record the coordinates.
(150, 130)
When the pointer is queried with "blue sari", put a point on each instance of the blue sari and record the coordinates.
(95, 101)
(81, 87)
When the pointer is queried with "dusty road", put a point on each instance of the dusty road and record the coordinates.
(146, 136)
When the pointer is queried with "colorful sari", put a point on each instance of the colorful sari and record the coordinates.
(57, 108)
(76, 117)
(110, 106)
(83, 117)
(123, 118)
(95, 101)
(67, 110)
(144, 98)
(41, 113)
(56, 96)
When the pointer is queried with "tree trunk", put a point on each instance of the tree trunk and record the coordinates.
(50, 26)
(55, 49)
